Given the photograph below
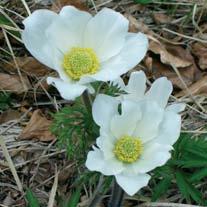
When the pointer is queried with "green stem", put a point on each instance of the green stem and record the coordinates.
(117, 196)
(97, 197)
(87, 101)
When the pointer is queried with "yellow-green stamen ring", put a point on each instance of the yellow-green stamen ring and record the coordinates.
(128, 149)
(80, 61)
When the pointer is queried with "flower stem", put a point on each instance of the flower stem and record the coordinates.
(97, 197)
(117, 196)
(87, 100)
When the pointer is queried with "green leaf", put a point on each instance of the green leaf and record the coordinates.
(187, 189)
(31, 199)
(198, 175)
(161, 188)
(5, 21)
(74, 199)
(143, 1)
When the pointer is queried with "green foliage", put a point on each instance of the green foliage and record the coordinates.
(187, 167)
(31, 199)
(74, 199)
(4, 20)
(75, 130)
(5, 101)
(143, 1)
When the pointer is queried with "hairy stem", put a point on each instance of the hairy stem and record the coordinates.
(87, 100)
(117, 196)
(97, 197)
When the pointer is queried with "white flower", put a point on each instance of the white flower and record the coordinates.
(82, 48)
(138, 139)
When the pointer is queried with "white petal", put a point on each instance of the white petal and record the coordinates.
(106, 33)
(103, 109)
(68, 91)
(135, 49)
(96, 162)
(132, 184)
(111, 69)
(169, 130)
(125, 123)
(177, 108)
(67, 31)
(106, 144)
(154, 155)
(131, 54)
(160, 91)
(148, 127)
(137, 85)
(34, 36)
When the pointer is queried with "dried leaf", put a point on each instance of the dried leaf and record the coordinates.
(200, 51)
(9, 115)
(168, 57)
(58, 4)
(189, 74)
(161, 18)
(38, 128)
(14, 83)
(28, 65)
(137, 26)
(199, 87)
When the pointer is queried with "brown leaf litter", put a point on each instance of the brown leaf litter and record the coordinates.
(38, 128)
(14, 83)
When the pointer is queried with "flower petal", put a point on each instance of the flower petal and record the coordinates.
(160, 91)
(106, 33)
(67, 30)
(68, 91)
(125, 123)
(131, 54)
(111, 69)
(103, 109)
(134, 49)
(96, 162)
(136, 86)
(169, 130)
(154, 155)
(177, 107)
(147, 128)
(34, 36)
(106, 144)
(132, 184)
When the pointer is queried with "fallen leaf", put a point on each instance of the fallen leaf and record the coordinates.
(168, 57)
(29, 65)
(58, 4)
(14, 83)
(9, 115)
(159, 70)
(38, 128)
(161, 18)
(137, 26)
(199, 87)
(200, 51)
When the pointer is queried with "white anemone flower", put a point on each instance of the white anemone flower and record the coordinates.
(139, 138)
(82, 48)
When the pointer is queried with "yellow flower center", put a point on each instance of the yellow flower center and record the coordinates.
(80, 61)
(128, 149)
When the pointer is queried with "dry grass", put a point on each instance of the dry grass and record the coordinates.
(42, 166)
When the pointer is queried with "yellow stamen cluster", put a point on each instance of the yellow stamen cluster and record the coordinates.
(80, 61)
(128, 149)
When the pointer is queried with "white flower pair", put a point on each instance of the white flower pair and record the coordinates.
(83, 49)
(140, 137)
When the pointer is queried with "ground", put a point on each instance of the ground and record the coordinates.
(29, 155)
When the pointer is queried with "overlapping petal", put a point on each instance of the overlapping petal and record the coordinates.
(49, 36)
